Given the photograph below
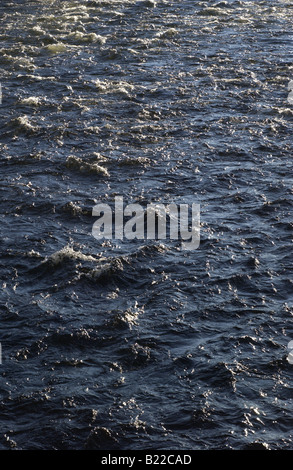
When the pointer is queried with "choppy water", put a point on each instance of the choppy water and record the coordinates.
(133, 344)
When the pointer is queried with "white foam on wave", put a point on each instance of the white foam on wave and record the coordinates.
(213, 11)
(31, 101)
(77, 163)
(90, 37)
(36, 77)
(98, 271)
(109, 86)
(131, 315)
(19, 61)
(33, 254)
(67, 253)
(169, 33)
(23, 123)
(56, 48)
(37, 30)
(99, 265)
(73, 208)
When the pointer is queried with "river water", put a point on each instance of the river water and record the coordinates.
(138, 344)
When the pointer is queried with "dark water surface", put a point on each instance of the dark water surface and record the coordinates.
(138, 344)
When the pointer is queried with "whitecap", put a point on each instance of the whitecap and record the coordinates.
(171, 32)
(56, 48)
(77, 163)
(67, 253)
(31, 101)
(108, 86)
(22, 123)
(91, 37)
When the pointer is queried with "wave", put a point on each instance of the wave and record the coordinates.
(23, 124)
(90, 37)
(76, 163)
(110, 86)
(68, 253)
(31, 101)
